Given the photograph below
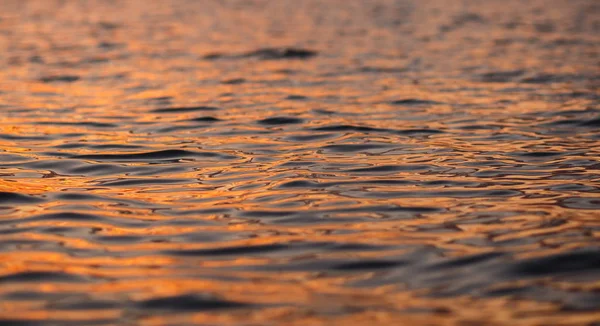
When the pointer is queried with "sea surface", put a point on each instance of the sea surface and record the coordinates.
(332, 162)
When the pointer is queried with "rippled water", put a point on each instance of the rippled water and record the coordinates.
(300, 162)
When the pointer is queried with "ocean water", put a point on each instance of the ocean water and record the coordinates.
(300, 162)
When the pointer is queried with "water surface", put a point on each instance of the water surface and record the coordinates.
(299, 162)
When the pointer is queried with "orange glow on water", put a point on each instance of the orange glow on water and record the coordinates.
(430, 163)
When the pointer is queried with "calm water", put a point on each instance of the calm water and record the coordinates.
(300, 162)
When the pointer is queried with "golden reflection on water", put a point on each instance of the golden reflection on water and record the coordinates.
(434, 163)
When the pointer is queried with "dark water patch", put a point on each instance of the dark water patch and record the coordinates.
(323, 185)
(15, 230)
(267, 214)
(481, 127)
(280, 53)
(141, 182)
(342, 247)
(578, 301)
(414, 102)
(545, 78)
(341, 128)
(293, 164)
(393, 168)
(193, 221)
(374, 69)
(324, 112)
(7, 198)
(558, 264)
(592, 203)
(538, 155)
(414, 132)
(309, 138)
(516, 90)
(175, 129)
(78, 124)
(58, 322)
(57, 165)
(300, 184)
(501, 76)
(575, 95)
(204, 119)
(349, 148)
(11, 109)
(433, 194)
(291, 247)
(505, 291)
(365, 129)
(125, 239)
(387, 209)
(503, 137)
(499, 173)
(462, 19)
(233, 81)
(390, 182)
(83, 304)
(280, 121)
(16, 244)
(240, 132)
(98, 169)
(11, 158)
(22, 322)
(67, 216)
(108, 25)
(113, 146)
(25, 295)
(74, 217)
(328, 265)
(408, 262)
(17, 137)
(452, 183)
(110, 45)
(228, 251)
(569, 187)
(59, 79)
(36, 59)
(590, 123)
(67, 231)
(98, 146)
(214, 56)
(566, 113)
(427, 310)
(418, 209)
(159, 100)
(478, 275)
(184, 109)
(208, 237)
(164, 169)
(571, 123)
(168, 154)
(367, 265)
(200, 212)
(42, 277)
(285, 53)
(76, 167)
(465, 261)
(296, 97)
(85, 196)
(544, 27)
(190, 302)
